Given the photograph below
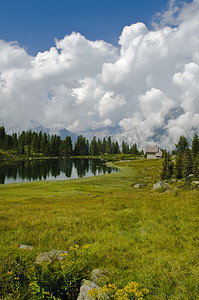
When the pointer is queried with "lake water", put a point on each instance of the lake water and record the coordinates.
(52, 169)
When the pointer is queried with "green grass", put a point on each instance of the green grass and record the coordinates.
(139, 235)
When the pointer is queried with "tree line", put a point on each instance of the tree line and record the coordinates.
(185, 161)
(31, 143)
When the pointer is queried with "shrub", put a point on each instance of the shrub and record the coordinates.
(111, 291)
(62, 279)
(14, 278)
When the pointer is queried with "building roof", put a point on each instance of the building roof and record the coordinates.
(159, 154)
(152, 149)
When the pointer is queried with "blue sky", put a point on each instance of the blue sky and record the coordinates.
(35, 23)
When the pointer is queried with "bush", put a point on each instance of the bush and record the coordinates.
(14, 279)
(111, 291)
(55, 280)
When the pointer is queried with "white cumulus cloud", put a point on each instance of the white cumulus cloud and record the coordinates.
(81, 85)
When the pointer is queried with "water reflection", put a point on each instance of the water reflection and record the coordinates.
(52, 169)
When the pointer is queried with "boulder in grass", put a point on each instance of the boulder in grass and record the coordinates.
(161, 185)
(100, 276)
(26, 247)
(139, 185)
(86, 286)
(48, 257)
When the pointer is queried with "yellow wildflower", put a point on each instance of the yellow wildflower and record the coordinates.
(86, 247)
(10, 272)
(93, 292)
(64, 254)
(74, 248)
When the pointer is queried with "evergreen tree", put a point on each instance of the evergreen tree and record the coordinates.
(34, 142)
(28, 135)
(68, 147)
(125, 148)
(196, 167)
(47, 149)
(39, 140)
(179, 167)
(134, 150)
(115, 148)
(104, 145)
(188, 163)
(94, 147)
(182, 145)
(2, 136)
(109, 145)
(44, 141)
(14, 141)
(55, 145)
(195, 145)
(7, 143)
(99, 146)
(167, 166)
(81, 146)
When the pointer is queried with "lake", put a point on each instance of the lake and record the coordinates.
(52, 169)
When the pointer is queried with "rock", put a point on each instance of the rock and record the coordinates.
(50, 256)
(26, 247)
(139, 185)
(132, 185)
(100, 276)
(161, 185)
(85, 287)
(173, 180)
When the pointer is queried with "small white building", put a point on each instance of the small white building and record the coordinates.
(153, 152)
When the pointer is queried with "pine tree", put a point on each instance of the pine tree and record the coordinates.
(134, 150)
(68, 147)
(195, 145)
(179, 167)
(187, 163)
(182, 145)
(109, 145)
(47, 149)
(2, 136)
(44, 141)
(94, 147)
(125, 148)
(167, 167)
(196, 167)
(99, 146)
(104, 145)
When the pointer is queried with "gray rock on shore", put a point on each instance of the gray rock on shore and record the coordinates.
(161, 185)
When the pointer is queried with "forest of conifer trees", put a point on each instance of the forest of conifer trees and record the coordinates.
(30, 143)
(184, 163)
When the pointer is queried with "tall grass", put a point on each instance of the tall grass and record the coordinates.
(139, 235)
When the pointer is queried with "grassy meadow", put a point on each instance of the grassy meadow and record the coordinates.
(142, 235)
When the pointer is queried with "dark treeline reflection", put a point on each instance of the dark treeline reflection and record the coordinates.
(52, 169)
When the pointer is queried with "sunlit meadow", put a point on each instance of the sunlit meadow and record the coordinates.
(140, 235)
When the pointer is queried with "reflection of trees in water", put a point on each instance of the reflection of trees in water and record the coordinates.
(66, 167)
(81, 166)
(38, 170)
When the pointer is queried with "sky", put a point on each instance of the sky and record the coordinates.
(130, 67)
(35, 24)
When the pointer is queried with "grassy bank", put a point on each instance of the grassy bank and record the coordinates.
(139, 235)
